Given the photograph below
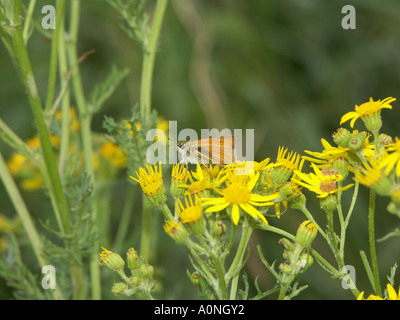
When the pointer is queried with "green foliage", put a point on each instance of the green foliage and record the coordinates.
(25, 284)
(105, 89)
(131, 136)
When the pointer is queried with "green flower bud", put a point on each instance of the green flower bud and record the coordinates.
(176, 231)
(197, 227)
(373, 122)
(306, 233)
(218, 229)
(341, 165)
(306, 260)
(285, 268)
(385, 139)
(134, 281)
(299, 202)
(329, 203)
(118, 288)
(111, 260)
(133, 259)
(357, 142)
(146, 271)
(287, 244)
(195, 279)
(342, 137)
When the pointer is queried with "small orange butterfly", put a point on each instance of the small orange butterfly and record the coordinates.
(208, 151)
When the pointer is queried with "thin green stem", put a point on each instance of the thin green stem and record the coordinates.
(145, 105)
(237, 261)
(25, 217)
(146, 228)
(28, 20)
(50, 168)
(311, 218)
(65, 105)
(36, 106)
(22, 211)
(125, 217)
(332, 235)
(53, 59)
(345, 223)
(148, 62)
(86, 135)
(371, 230)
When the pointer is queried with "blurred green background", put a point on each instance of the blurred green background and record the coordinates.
(286, 69)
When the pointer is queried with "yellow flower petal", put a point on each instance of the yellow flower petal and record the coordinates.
(253, 212)
(235, 214)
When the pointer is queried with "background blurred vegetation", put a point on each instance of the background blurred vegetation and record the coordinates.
(284, 68)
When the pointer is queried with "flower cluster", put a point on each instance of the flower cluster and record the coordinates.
(141, 279)
(238, 189)
(243, 192)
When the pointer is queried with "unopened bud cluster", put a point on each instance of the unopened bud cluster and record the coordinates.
(141, 279)
(296, 254)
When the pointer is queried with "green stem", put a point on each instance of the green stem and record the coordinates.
(25, 217)
(51, 172)
(28, 20)
(345, 223)
(22, 211)
(311, 218)
(167, 213)
(146, 229)
(36, 106)
(332, 235)
(125, 217)
(86, 135)
(371, 230)
(222, 290)
(237, 261)
(65, 106)
(53, 59)
(145, 106)
(148, 62)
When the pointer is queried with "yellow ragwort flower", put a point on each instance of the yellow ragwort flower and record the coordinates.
(285, 165)
(151, 183)
(392, 159)
(322, 182)
(290, 162)
(238, 193)
(367, 110)
(200, 186)
(331, 154)
(110, 151)
(191, 211)
(179, 176)
(328, 155)
(391, 294)
(179, 173)
(151, 180)
(371, 175)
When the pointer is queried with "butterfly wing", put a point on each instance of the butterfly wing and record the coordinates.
(216, 150)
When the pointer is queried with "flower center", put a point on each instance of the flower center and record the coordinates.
(236, 193)
(327, 186)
